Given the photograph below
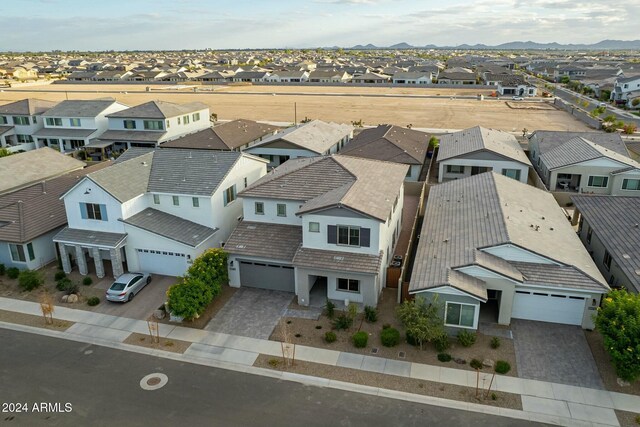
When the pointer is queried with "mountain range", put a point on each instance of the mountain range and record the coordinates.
(518, 45)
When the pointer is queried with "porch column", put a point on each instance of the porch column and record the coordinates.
(97, 260)
(82, 260)
(116, 262)
(64, 257)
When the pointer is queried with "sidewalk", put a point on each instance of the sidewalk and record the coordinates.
(541, 401)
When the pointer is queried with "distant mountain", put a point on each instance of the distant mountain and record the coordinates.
(519, 45)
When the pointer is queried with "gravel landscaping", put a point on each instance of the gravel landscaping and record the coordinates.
(606, 369)
(142, 340)
(628, 419)
(311, 333)
(36, 321)
(392, 382)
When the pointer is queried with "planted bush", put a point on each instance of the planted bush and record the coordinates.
(330, 309)
(59, 275)
(3, 269)
(71, 289)
(502, 367)
(495, 342)
(63, 284)
(342, 322)
(29, 279)
(13, 273)
(370, 314)
(360, 339)
(466, 338)
(475, 364)
(442, 343)
(93, 301)
(87, 281)
(330, 336)
(444, 357)
(390, 337)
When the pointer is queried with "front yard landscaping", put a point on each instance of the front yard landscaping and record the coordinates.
(165, 344)
(226, 292)
(35, 321)
(605, 367)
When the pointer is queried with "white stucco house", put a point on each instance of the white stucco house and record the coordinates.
(320, 227)
(154, 212)
(19, 120)
(623, 87)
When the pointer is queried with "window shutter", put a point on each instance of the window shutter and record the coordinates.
(332, 234)
(83, 210)
(103, 212)
(365, 237)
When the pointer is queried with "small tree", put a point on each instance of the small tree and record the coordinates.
(629, 128)
(422, 320)
(618, 320)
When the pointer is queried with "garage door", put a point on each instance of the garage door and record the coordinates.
(162, 262)
(267, 276)
(545, 307)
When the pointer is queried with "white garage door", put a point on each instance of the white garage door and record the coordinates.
(162, 262)
(546, 307)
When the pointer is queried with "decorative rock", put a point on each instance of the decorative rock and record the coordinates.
(65, 298)
(159, 314)
(623, 383)
(488, 363)
(72, 298)
(460, 361)
(175, 319)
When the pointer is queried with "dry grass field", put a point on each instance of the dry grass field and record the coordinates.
(400, 106)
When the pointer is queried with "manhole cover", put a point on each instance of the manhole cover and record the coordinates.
(153, 381)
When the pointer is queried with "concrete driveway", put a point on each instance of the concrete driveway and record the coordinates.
(555, 353)
(145, 302)
(251, 313)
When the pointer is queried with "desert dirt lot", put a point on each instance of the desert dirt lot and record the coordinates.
(400, 106)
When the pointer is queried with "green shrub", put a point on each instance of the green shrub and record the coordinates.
(59, 275)
(71, 289)
(13, 273)
(370, 314)
(360, 339)
(444, 357)
(494, 396)
(502, 367)
(352, 310)
(3, 269)
(390, 337)
(63, 284)
(189, 300)
(466, 338)
(93, 301)
(29, 279)
(442, 343)
(495, 342)
(475, 364)
(330, 309)
(87, 281)
(342, 322)
(411, 340)
(330, 336)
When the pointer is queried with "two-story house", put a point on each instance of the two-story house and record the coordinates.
(154, 212)
(321, 227)
(19, 120)
(315, 138)
(72, 124)
(477, 150)
(622, 87)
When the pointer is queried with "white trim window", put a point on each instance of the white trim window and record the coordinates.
(314, 227)
(460, 315)
(195, 202)
(512, 173)
(156, 199)
(455, 169)
(597, 181)
(348, 236)
(259, 208)
(348, 285)
(281, 209)
(18, 254)
(631, 184)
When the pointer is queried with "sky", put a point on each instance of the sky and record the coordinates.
(43, 25)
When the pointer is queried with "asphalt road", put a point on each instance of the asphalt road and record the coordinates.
(103, 387)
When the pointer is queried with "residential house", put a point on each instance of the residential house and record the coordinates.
(251, 76)
(494, 249)
(456, 78)
(72, 124)
(329, 76)
(154, 212)
(510, 84)
(371, 78)
(19, 120)
(288, 77)
(623, 87)
(477, 150)
(413, 78)
(235, 135)
(608, 228)
(321, 227)
(314, 138)
(393, 144)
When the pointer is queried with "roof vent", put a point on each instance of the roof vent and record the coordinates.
(240, 246)
(338, 258)
(626, 256)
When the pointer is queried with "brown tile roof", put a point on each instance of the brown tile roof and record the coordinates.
(337, 261)
(226, 136)
(389, 143)
(27, 107)
(265, 240)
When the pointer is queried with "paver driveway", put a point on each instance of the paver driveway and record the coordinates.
(251, 313)
(555, 353)
(145, 302)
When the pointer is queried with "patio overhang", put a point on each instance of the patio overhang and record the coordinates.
(90, 238)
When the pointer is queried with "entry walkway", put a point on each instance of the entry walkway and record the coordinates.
(542, 401)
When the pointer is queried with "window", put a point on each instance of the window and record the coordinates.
(185, 119)
(589, 234)
(349, 285)
(21, 121)
(32, 255)
(196, 117)
(74, 123)
(93, 211)
(631, 184)
(512, 173)
(156, 199)
(460, 314)
(129, 124)
(259, 208)
(153, 124)
(196, 202)
(246, 182)
(53, 121)
(176, 201)
(455, 169)
(607, 260)
(168, 124)
(3, 120)
(17, 253)
(24, 138)
(408, 173)
(178, 120)
(349, 236)
(229, 195)
(598, 181)
(281, 209)
(35, 120)
(314, 227)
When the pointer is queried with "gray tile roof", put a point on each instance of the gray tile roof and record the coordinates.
(389, 143)
(197, 172)
(160, 110)
(467, 283)
(132, 136)
(89, 237)
(316, 136)
(64, 133)
(79, 108)
(549, 139)
(134, 152)
(171, 227)
(578, 150)
(477, 138)
(614, 220)
(265, 240)
(27, 107)
(337, 261)
(562, 276)
(498, 265)
(125, 180)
